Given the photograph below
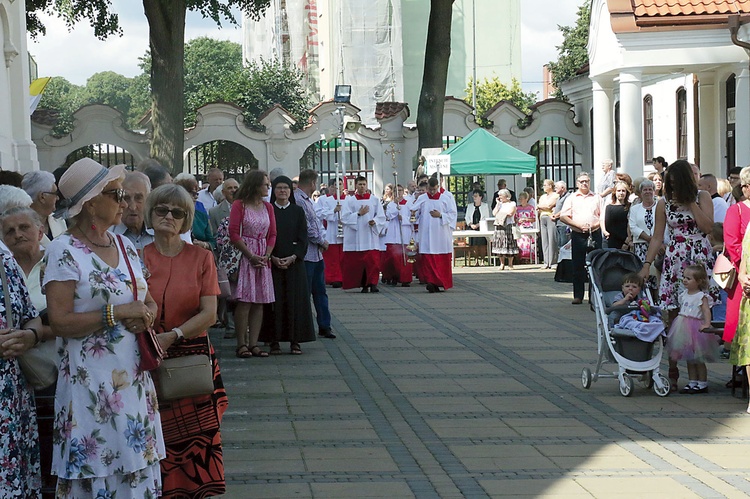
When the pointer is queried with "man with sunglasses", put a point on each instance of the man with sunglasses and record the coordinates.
(581, 213)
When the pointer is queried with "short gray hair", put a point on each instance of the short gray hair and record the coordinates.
(276, 172)
(137, 177)
(37, 182)
(10, 197)
(183, 177)
(646, 183)
(22, 210)
(504, 193)
(171, 194)
(560, 183)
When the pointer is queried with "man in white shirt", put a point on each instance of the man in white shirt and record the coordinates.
(363, 218)
(581, 212)
(206, 196)
(709, 184)
(329, 211)
(436, 214)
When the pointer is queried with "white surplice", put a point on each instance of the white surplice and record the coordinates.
(359, 235)
(436, 234)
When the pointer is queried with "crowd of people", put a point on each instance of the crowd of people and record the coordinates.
(95, 258)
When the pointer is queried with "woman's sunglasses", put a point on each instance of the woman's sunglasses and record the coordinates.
(117, 194)
(177, 213)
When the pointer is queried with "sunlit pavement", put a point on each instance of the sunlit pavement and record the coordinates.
(475, 392)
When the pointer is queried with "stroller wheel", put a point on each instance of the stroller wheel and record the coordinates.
(626, 386)
(662, 386)
(586, 377)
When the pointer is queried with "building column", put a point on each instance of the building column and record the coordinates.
(603, 126)
(708, 123)
(742, 123)
(631, 123)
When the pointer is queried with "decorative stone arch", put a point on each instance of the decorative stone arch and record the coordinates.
(458, 118)
(224, 121)
(93, 124)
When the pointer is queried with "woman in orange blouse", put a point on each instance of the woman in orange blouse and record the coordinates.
(184, 285)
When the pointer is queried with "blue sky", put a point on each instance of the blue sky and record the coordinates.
(76, 55)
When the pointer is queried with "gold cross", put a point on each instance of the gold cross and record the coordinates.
(392, 153)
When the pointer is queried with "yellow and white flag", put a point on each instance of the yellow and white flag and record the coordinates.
(35, 90)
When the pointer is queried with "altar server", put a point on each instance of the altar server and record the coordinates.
(363, 219)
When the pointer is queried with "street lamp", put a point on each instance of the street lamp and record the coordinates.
(342, 94)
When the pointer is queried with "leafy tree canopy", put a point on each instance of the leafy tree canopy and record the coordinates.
(213, 73)
(105, 22)
(572, 54)
(491, 91)
(270, 82)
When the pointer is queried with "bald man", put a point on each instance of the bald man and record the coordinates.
(137, 186)
(708, 183)
(214, 177)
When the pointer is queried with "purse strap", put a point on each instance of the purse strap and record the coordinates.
(6, 295)
(130, 268)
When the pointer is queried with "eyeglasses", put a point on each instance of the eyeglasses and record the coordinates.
(117, 194)
(584, 181)
(177, 213)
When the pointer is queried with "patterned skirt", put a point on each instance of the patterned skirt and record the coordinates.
(194, 466)
(503, 243)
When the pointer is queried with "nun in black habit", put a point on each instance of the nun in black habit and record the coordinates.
(290, 318)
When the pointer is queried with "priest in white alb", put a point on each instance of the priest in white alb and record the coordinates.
(363, 218)
(436, 214)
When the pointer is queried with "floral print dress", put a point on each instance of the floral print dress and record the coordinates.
(107, 432)
(19, 438)
(686, 245)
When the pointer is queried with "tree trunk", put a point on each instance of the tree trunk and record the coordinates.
(435, 77)
(166, 21)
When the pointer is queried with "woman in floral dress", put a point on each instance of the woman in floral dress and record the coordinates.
(19, 438)
(687, 216)
(525, 219)
(252, 229)
(107, 435)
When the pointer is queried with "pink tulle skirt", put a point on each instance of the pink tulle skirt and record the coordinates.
(686, 342)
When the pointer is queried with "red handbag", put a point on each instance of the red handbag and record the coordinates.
(151, 351)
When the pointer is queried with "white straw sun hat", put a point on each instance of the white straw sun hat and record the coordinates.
(84, 180)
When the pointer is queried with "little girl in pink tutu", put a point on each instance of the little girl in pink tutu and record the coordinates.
(685, 340)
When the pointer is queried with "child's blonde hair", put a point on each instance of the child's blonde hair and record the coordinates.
(699, 274)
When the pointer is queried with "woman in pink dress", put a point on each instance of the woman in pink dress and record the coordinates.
(252, 229)
(525, 219)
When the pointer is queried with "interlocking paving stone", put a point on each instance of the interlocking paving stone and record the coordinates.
(470, 393)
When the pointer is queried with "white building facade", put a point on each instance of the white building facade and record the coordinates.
(664, 82)
(17, 151)
(377, 46)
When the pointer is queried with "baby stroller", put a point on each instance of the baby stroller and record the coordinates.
(635, 359)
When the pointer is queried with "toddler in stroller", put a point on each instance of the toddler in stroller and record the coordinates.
(630, 311)
(628, 326)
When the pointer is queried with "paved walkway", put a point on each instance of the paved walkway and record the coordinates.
(471, 393)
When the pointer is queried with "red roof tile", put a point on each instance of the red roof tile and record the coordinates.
(385, 110)
(650, 8)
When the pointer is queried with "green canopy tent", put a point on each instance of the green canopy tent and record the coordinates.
(481, 153)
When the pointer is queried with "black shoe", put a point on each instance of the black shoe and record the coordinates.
(336, 284)
(700, 390)
(431, 288)
(577, 301)
(374, 289)
(689, 390)
(405, 285)
(326, 333)
(365, 290)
